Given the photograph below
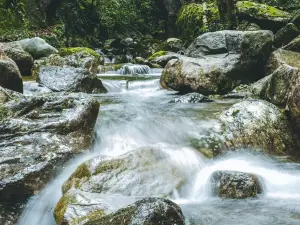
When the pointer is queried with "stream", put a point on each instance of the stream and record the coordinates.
(136, 113)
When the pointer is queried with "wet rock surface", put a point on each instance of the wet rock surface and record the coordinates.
(236, 185)
(191, 98)
(260, 125)
(10, 76)
(221, 61)
(69, 79)
(38, 134)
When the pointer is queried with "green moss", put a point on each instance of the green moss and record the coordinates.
(3, 113)
(260, 9)
(71, 51)
(61, 207)
(157, 54)
(82, 171)
(109, 165)
(97, 214)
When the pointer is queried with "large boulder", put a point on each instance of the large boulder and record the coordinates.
(286, 34)
(294, 45)
(69, 79)
(260, 125)
(279, 87)
(103, 175)
(38, 135)
(10, 76)
(22, 58)
(282, 57)
(237, 185)
(219, 61)
(77, 207)
(267, 17)
(37, 47)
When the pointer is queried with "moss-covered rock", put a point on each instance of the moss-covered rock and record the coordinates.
(267, 17)
(294, 105)
(10, 76)
(286, 34)
(157, 54)
(294, 45)
(73, 51)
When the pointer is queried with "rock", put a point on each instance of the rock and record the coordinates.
(220, 62)
(191, 98)
(281, 57)
(84, 58)
(23, 59)
(148, 211)
(121, 59)
(33, 88)
(267, 17)
(247, 26)
(241, 91)
(280, 85)
(38, 134)
(162, 58)
(294, 45)
(174, 44)
(231, 184)
(257, 124)
(69, 79)
(294, 105)
(37, 47)
(10, 76)
(257, 87)
(77, 207)
(103, 175)
(286, 35)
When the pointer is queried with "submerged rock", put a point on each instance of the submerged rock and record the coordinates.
(191, 98)
(38, 134)
(37, 47)
(221, 61)
(10, 76)
(231, 184)
(267, 17)
(22, 58)
(260, 125)
(69, 79)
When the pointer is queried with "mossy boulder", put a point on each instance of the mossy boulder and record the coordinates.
(286, 34)
(294, 45)
(236, 185)
(23, 59)
(294, 105)
(195, 19)
(259, 125)
(10, 76)
(281, 57)
(102, 175)
(267, 17)
(157, 54)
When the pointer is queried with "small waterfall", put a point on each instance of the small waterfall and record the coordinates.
(133, 69)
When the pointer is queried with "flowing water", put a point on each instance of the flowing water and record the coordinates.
(137, 113)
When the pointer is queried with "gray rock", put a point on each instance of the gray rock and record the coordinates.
(279, 87)
(260, 125)
(221, 61)
(164, 59)
(37, 47)
(135, 170)
(174, 44)
(191, 98)
(23, 59)
(257, 87)
(294, 105)
(38, 134)
(10, 76)
(69, 79)
(230, 184)
(286, 34)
